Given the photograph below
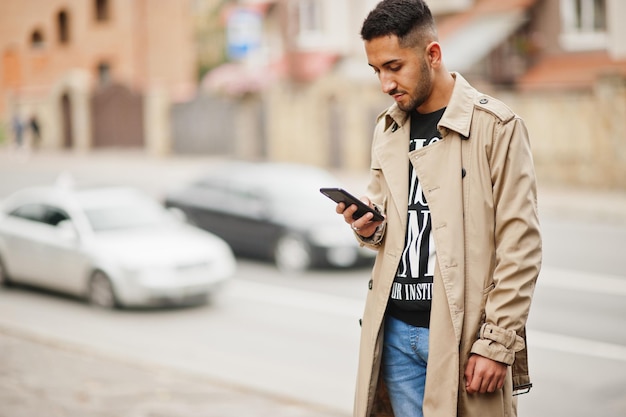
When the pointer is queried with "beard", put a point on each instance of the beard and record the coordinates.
(420, 93)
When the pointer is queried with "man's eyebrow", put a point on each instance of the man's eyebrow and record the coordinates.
(385, 64)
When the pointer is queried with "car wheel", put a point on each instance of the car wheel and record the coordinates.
(292, 254)
(101, 292)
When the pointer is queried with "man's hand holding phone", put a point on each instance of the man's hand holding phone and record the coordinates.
(364, 225)
(358, 213)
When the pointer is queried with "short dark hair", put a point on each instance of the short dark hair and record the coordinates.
(410, 20)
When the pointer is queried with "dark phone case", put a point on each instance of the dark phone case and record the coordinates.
(339, 195)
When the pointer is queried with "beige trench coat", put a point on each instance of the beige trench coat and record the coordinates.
(479, 182)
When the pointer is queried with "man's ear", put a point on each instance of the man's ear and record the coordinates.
(433, 54)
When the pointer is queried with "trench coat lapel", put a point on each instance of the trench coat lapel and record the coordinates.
(438, 167)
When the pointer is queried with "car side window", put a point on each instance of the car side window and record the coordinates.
(40, 213)
(33, 212)
(214, 195)
(55, 216)
(256, 203)
(230, 196)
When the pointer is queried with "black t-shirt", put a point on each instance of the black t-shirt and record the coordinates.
(411, 292)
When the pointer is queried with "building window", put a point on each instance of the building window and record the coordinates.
(102, 10)
(584, 25)
(104, 74)
(310, 16)
(63, 27)
(37, 40)
(309, 23)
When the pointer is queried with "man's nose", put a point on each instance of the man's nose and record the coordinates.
(388, 84)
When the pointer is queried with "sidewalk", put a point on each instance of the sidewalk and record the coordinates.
(43, 378)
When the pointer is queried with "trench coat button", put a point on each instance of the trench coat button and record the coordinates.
(394, 127)
(370, 284)
(483, 101)
(463, 173)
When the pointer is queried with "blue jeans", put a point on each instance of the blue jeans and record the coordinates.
(405, 355)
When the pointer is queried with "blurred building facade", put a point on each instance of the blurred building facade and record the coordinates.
(288, 80)
(573, 94)
(95, 73)
(560, 64)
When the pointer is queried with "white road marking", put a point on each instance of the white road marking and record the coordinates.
(550, 277)
(582, 281)
(341, 305)
(576, 345)
(294, 298)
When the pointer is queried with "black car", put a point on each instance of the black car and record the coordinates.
(271, 211)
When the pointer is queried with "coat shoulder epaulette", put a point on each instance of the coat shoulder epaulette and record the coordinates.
(495, 107)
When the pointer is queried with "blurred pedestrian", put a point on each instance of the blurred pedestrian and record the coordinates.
(18, 130)
(459, 251)
(35, 130)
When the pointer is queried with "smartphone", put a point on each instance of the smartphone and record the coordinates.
(339, 195)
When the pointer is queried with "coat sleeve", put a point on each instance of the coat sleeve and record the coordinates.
(375, 192)
(517, 243)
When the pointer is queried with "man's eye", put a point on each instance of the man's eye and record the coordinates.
(395, 69)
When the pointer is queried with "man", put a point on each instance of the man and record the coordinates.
(459, 251)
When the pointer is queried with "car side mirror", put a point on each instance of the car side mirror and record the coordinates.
(178, 214)
(67, 231)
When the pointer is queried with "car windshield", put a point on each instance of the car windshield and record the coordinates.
(301, 198)
(124, 213)
(301, 193)
(282, 191)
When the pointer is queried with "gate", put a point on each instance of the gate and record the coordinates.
(204, 125)
(117, 117)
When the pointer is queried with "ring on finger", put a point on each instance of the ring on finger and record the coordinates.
(356, 229)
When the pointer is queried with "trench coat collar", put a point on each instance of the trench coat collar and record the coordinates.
(460, 109)
(458, 114)
(457, 117)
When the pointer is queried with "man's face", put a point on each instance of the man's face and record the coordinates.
(404, 73)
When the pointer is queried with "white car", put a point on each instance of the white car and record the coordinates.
(114, 246)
